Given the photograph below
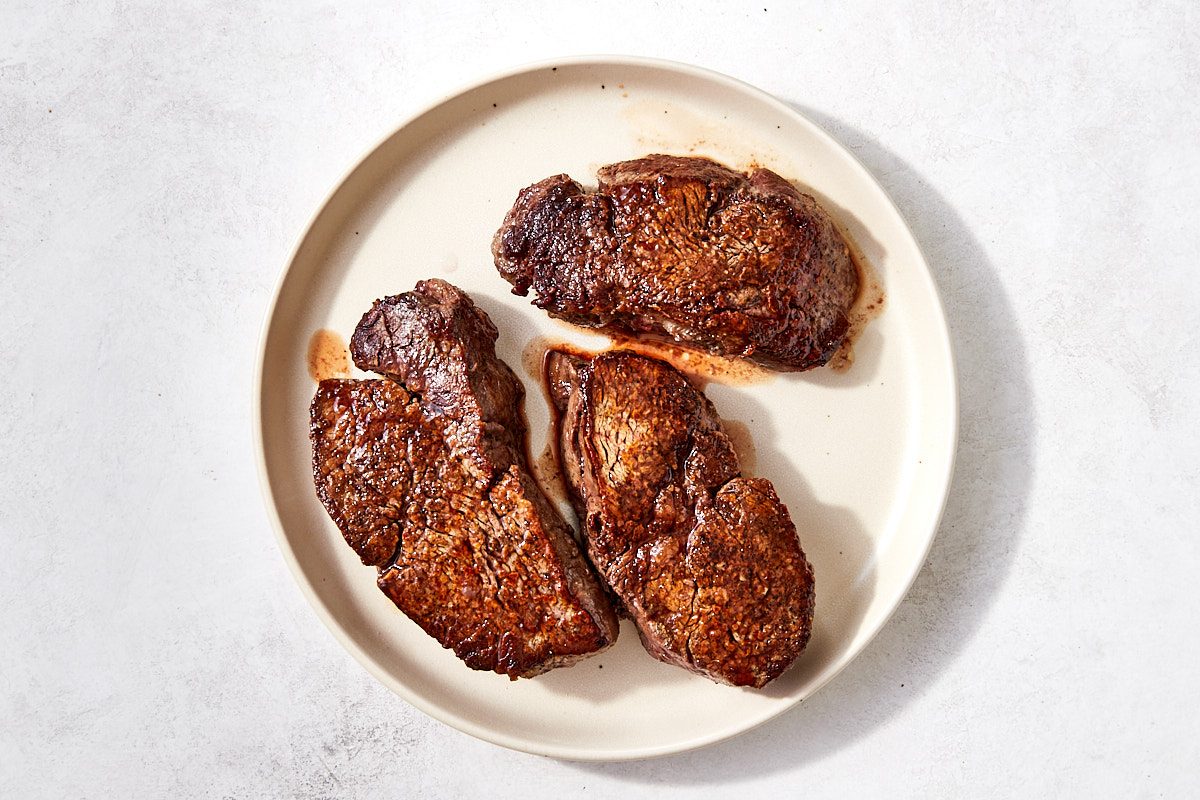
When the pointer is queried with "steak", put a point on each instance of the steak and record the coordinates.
(426, 476)
(706, 562)
(684, 248)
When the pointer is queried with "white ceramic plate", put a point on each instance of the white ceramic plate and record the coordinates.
(862, 458)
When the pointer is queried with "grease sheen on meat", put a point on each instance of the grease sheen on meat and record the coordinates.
(707, 563)
(737, 264)
(425, 475)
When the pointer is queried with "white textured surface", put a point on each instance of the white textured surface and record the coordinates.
(158, 161)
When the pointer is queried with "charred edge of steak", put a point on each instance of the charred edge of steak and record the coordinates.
(350, 414)
(732, 263)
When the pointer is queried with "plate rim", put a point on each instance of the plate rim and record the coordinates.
(325, 614)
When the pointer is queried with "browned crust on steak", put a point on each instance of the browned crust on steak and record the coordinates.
(434, 490)
(707, 563)
(733, 263)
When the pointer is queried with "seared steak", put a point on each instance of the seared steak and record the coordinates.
(428, 482)
(737, 264)
(706, 562)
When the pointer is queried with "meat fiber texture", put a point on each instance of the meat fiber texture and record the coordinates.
(686, 249)
(424, 472)
(708, 564)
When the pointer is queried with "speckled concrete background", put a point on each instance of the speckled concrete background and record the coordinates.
(157, 161)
